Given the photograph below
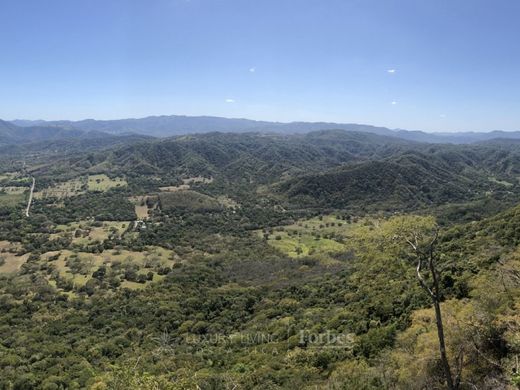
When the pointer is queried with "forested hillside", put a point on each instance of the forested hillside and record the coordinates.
(259, 261)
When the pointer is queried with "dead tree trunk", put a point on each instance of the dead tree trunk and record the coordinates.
(428, 256)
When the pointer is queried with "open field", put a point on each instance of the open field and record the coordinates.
(6, 176)
(6, 246)
(79, 186)
(13, 190)
(62, 190)
(186, 184)
(175, 188)
(197, 180)
(319, 237)
(78, 267)
(142, 204)
(12, 196)
(9, 261)
(86, 232)
(104, 183)
(227, 202)
(11, 199)
(501, 182)
(188, 200)
(10, 176)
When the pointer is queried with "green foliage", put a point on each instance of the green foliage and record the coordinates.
(288, 269)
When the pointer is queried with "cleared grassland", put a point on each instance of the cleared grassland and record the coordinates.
(103, 183)
(197, 179)
(175, 188)
(141, 205)
(304, 245)
(501, 182)
(12, 196)
(188, 200)
(186, 184)
(85, 232)
(13, 190)
(80, 185)
(78, 267)
(10, 262)
(8, 176)
(10, 200)
(318, 237)
(62, 190)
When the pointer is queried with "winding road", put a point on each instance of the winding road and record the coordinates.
(30, 198)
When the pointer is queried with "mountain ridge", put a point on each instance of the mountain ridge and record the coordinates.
(171, 125)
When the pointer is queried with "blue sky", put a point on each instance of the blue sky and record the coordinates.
(434, 65)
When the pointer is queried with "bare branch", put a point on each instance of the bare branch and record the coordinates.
(421, 279)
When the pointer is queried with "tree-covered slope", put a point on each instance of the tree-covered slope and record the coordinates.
(428, 175)
(258, 157)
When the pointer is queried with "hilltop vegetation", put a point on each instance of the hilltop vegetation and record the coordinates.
(254, 261)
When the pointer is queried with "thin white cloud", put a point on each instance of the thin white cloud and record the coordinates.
(393, 103)
(391, 71)
(230, 100)
(252, 70)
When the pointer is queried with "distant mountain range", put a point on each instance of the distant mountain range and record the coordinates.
(166, 126)
(14, 139)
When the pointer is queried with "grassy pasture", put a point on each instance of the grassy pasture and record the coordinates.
(6, 176)
(175, 188)
(11, 196)
(186, 184)
(9, 261)
(85, 232)
(501, 182)
(141, 206)
(13, 190)
(13, 176)
(11, 199)
(318, 237)
(78, 267)
(188, 200)
(103, 183)
(197, 179)
(79, 186)
(62, 190)
(227, 202)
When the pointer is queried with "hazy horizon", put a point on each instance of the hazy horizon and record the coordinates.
(262, 120)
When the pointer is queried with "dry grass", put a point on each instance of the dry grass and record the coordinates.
(175, 188)
(197, 179)
(13, 190)
(186, 184)
(11, 262)
(141, 207)
(104, 183)
(79, 186)
(87, 233)
(62, 190)
(88, 262)
(10, 200)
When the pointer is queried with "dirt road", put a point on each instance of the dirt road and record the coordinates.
(30, 197)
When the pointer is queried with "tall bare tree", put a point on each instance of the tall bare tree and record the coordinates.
(425, 251)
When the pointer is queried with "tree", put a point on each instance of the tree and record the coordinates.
(421, 236)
